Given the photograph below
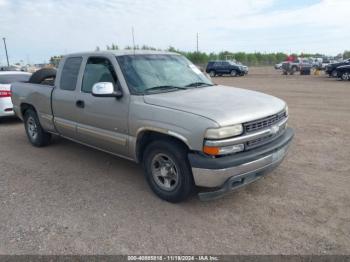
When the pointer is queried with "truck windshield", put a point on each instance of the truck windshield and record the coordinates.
(152, 71)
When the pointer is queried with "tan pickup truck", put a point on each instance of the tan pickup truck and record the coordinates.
(158, 109)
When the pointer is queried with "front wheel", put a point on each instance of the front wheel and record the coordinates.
(35, 133)
(168, 171)
(233, 73)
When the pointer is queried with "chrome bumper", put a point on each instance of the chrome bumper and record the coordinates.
(240, 169)
(217, 177)
(236, 182)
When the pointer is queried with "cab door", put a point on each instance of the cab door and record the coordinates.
(102, 121)
(226, 67)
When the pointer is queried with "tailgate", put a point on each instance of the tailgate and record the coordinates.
(37, 96)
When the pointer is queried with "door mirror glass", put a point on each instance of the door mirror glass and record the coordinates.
(105, 89)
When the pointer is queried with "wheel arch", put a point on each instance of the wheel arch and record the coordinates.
(24, 107)
(146, 136)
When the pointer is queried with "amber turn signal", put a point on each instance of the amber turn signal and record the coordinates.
(211, 150)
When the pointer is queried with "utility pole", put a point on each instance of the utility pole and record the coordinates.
(7, 57)
(133, 38)
(197, 43)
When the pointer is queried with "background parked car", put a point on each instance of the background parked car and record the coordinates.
(215, 68)
(331, 69)
(278, 66)
(344, 72)
(6, 78)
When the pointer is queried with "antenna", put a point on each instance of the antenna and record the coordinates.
(197, 42)
(133, 38)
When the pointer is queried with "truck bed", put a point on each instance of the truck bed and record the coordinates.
(34, 94)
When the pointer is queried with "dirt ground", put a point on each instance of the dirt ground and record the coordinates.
(69, 199)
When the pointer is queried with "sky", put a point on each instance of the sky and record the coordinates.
(35, 30)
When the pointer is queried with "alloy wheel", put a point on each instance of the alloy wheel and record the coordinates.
(165, 172)
(32, 128)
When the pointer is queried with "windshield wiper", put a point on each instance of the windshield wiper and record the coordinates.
(197, 84)
(165, 87)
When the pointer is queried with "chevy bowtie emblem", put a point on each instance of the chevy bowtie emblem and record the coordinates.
(275, 129)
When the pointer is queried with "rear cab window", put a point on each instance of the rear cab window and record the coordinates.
(70, 73)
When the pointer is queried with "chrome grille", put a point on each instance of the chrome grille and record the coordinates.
(264, 140)
(264, 123)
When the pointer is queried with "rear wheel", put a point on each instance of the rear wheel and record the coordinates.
(35, 133)
(168, 171)
(334, 73)
(212, 73)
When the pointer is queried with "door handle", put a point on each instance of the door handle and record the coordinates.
(80, 103)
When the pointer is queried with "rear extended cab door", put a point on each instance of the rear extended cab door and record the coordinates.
(64, 96)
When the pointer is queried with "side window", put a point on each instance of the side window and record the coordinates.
(70, 73)
(98, 69)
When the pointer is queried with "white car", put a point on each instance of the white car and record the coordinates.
(6, 78)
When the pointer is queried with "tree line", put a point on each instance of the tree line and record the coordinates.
(202, 58)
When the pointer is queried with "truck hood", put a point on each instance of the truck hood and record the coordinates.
(222, 104)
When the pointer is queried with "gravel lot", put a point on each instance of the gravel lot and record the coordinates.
(69, 199)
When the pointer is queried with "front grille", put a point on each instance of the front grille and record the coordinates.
(263, 140)
(264, 123)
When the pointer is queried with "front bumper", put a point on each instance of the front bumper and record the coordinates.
(244, 71)
(234, 171)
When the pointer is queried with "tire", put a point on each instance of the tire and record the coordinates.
(41, 75)
(233, 73)
(212, 73)
(168, 171)
(334, 73)
(345, 76)
(35, 133)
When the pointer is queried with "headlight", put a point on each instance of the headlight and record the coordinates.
(224, 132)
(286, 109)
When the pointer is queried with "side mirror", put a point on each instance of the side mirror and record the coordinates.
(105, 89)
